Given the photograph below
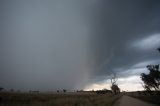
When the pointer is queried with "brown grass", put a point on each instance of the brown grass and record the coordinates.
(42, 99)
(154, 99)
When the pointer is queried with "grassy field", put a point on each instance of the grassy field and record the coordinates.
(154, 99)
(61, 99)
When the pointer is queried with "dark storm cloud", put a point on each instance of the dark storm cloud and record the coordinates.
(44, 44)
(125, 33)
(56, 44)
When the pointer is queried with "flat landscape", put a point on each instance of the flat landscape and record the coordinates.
(57, 99)
(79, 52)
(130, 101)
(77, 99)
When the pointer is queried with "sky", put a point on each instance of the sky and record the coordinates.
(77, 44)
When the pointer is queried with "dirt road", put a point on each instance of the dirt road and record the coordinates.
(129, 101)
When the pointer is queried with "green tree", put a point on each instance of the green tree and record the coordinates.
(152, 79)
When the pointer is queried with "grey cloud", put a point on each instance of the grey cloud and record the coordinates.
(44, 45)
(58, 44)
(118, 24)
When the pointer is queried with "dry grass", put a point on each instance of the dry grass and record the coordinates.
(154, 99)
(42, 99)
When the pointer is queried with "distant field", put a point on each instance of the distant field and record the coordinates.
(60, 99)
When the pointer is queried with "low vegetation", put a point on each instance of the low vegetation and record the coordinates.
(150, 97)
(57, 99)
